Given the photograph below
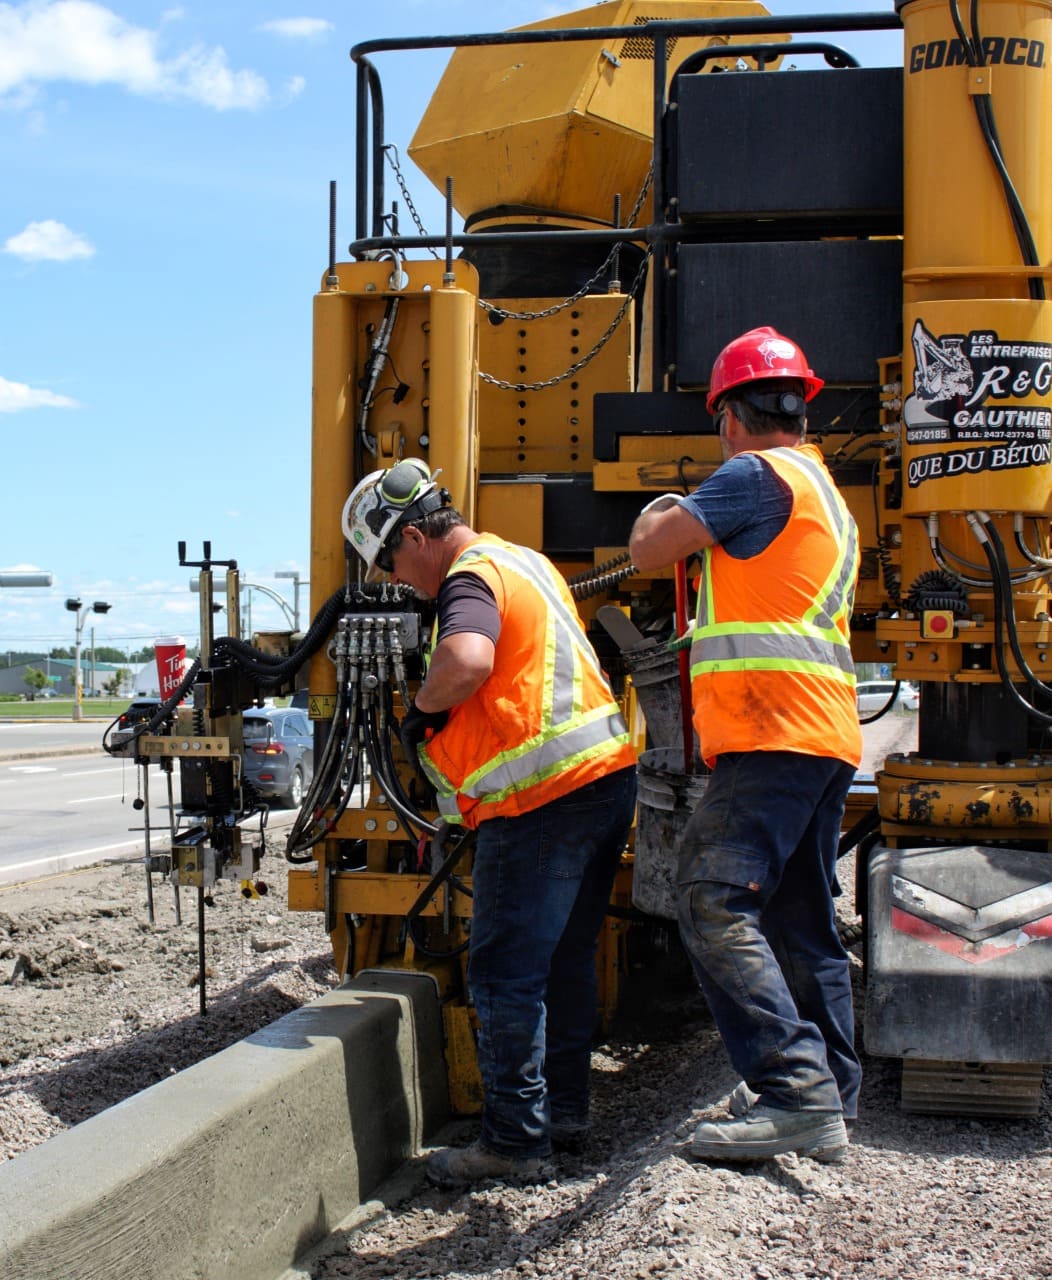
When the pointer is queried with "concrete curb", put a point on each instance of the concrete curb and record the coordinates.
(238, 1166)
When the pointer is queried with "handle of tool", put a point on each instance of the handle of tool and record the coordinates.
(684, 668)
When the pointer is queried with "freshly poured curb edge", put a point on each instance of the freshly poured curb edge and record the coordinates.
(234, 1168)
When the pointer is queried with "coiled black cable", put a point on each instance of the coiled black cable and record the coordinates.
(600, 582)
(936, 589)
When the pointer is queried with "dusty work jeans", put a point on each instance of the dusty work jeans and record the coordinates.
(757, 877)
(541, 883)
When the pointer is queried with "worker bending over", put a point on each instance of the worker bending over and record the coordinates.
(773, 691)
(517, 728)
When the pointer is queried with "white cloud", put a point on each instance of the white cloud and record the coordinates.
(48, 241)
(293, 88)
(85, 43)
(298, 28)
(16, 396)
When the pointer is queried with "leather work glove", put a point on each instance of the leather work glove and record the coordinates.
(416, 727)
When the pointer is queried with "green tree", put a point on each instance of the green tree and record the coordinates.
(36, 680)
(106, 653)
(116, 682)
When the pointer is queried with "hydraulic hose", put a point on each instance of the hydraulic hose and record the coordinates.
(163, 711)
(877, 715)
(1025, 550)
(271, 671)
(1011, 626)
(986, 534)
(392, 789)
(984, 112)
(444, 873)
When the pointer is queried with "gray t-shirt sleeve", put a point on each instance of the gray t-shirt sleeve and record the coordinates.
(466, 604)
(745, 505)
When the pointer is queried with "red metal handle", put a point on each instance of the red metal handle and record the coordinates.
(684, 668)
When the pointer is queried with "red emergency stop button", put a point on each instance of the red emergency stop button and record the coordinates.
(937, 624)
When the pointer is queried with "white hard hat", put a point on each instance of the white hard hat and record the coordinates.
(385, 500)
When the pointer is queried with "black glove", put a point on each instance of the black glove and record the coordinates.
(414, 727)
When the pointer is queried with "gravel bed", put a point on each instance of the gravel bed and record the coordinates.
(96, 1004)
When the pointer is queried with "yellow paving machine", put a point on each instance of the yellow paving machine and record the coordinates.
(627, 187)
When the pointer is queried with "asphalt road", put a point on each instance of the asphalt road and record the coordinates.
(18, 736)
(59, 812)
(65, 804)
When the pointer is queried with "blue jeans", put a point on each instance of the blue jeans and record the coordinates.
(757, 878)
(541, 883)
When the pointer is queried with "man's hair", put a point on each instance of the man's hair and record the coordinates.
(436, 524)
(749, 405)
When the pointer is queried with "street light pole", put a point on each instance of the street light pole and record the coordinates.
(294, 574)
(74, 606)
(247, 588)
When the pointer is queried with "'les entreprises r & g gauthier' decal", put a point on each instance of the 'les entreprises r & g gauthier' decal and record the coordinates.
(960, 385)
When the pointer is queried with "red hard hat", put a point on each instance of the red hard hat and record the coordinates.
(760, 353)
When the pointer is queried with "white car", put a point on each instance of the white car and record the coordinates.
(871, 695)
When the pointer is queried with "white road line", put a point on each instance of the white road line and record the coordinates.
(63, 857)
(90, 799)
(92, 773)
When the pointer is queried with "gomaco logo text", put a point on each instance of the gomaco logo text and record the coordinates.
(1014, 52)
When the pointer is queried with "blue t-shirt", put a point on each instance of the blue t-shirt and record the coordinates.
(745, 505)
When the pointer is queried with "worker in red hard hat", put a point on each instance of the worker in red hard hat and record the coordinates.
(773, 690)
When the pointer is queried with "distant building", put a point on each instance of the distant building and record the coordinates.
(60, 673)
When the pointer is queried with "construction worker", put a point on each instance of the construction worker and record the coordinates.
(516, 727)
(773, 691)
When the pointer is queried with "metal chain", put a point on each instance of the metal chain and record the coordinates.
(588, 285)
(553, 310)
(578, 365)
(391, 155)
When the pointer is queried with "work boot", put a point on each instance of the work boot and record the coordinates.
(569, 1136)
(453, 1167)
(743, 1099)
(769, 1131)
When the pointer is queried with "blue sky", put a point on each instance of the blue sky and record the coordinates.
(163, 227)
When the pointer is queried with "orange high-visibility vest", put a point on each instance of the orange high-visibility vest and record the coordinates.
(545, 721)
(770, 661)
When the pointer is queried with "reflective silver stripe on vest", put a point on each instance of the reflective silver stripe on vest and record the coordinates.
(516, 771)
(769, 646)
(814, 644)
(535, 569)
(567, 733)
(837, 596)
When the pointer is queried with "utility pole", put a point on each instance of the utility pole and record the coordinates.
(73, 604)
